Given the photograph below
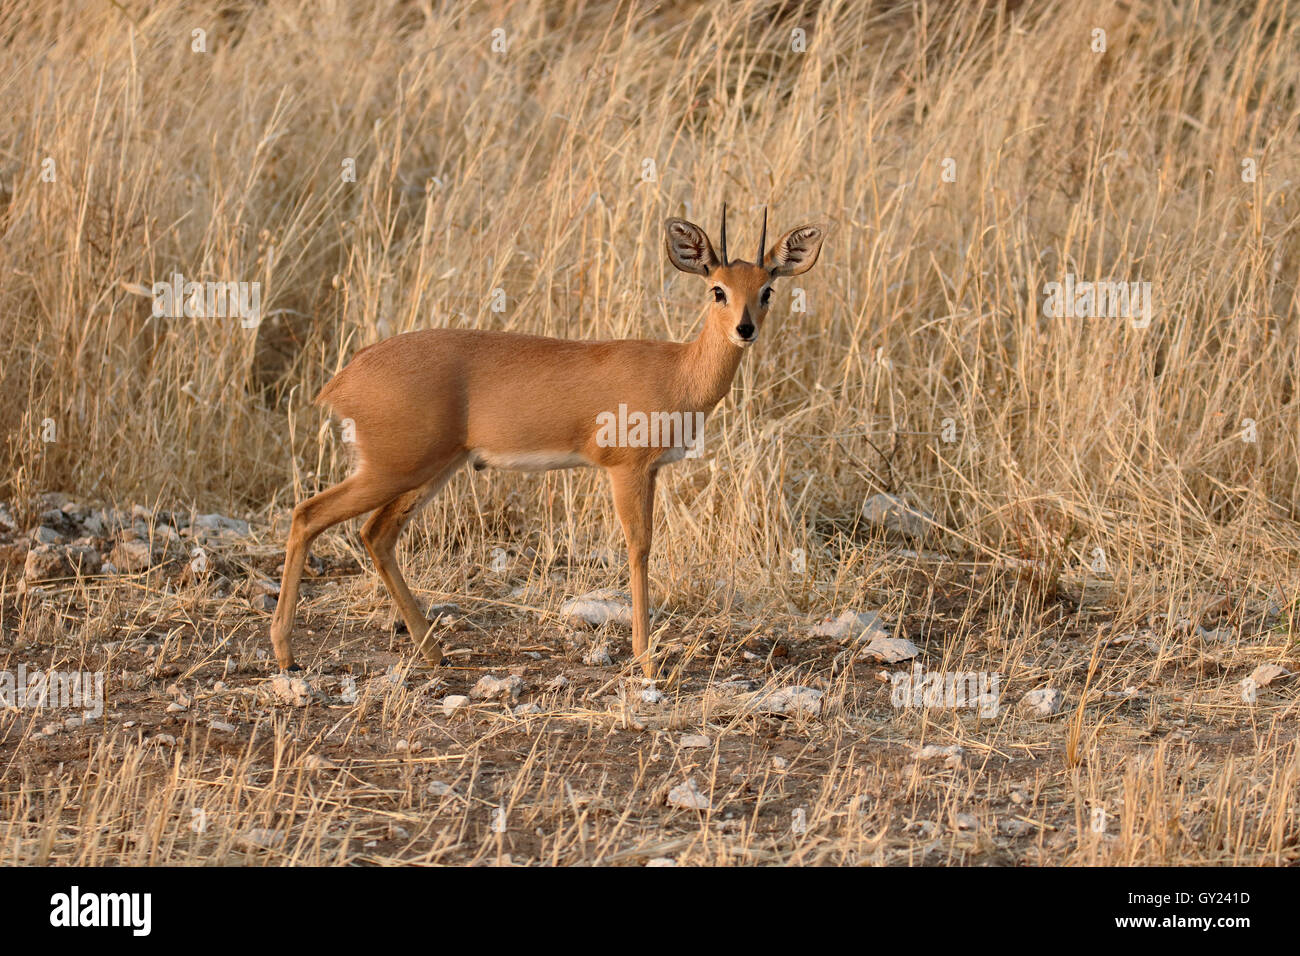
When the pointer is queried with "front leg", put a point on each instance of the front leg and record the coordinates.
(634, 500)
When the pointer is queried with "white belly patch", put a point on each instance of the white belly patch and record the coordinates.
(527, 460)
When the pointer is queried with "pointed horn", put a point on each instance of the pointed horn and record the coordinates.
(762, 240)
(723, 237)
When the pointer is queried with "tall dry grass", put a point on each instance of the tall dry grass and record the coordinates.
(525, 171)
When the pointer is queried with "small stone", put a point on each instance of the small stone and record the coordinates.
(176, 707)
(735, 685)
(1265, 674)
(890, 650)
(652, 695)
(260, 585)
(695, 741)
(72, 723)
(46, 562)
(597, 608)
(950, 754)
(796, 700)
(291, 690)
(221, 726)
(597, 656)
(84, 559)
(262, 602)
(1044, 702)
(453, 702)
(132, 556)
(437, 788)
(688, 796)
(524, 710)
(46, 535)
(852, 625)
(661, 861)
(220, 524)
(489, 687)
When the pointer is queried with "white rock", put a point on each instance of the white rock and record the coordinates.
(735, 685)
(1043, 702)
(220, 523)
(891, 650)
(661, 861)
(453, 702)
(652, 695)
(598, 607)
(695, 741)
(489, 687)
(176, 707)
(523, 710)
(950, 754)
(437, 788)
(1265, 674)
(852, 624)
(794, 700)
(892, 513)
(72, 723)
(687, 796)
(597, 656)
(291, 690)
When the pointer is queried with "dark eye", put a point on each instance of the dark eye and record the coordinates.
(719, 295)
(767, 297)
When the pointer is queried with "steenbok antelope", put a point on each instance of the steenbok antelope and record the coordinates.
(425, 402)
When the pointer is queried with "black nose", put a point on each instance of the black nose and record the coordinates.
(745, 331)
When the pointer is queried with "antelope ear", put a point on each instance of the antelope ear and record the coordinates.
(796, 252)
(688, 247)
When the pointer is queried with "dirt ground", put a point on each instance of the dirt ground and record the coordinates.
(202, 755)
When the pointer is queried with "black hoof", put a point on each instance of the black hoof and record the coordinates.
(293, 667)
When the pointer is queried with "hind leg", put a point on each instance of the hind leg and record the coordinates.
(354, 495)
(380, 535)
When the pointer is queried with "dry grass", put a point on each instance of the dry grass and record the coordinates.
(523, 171)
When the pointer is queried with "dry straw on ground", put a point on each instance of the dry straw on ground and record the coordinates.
(924, 365)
